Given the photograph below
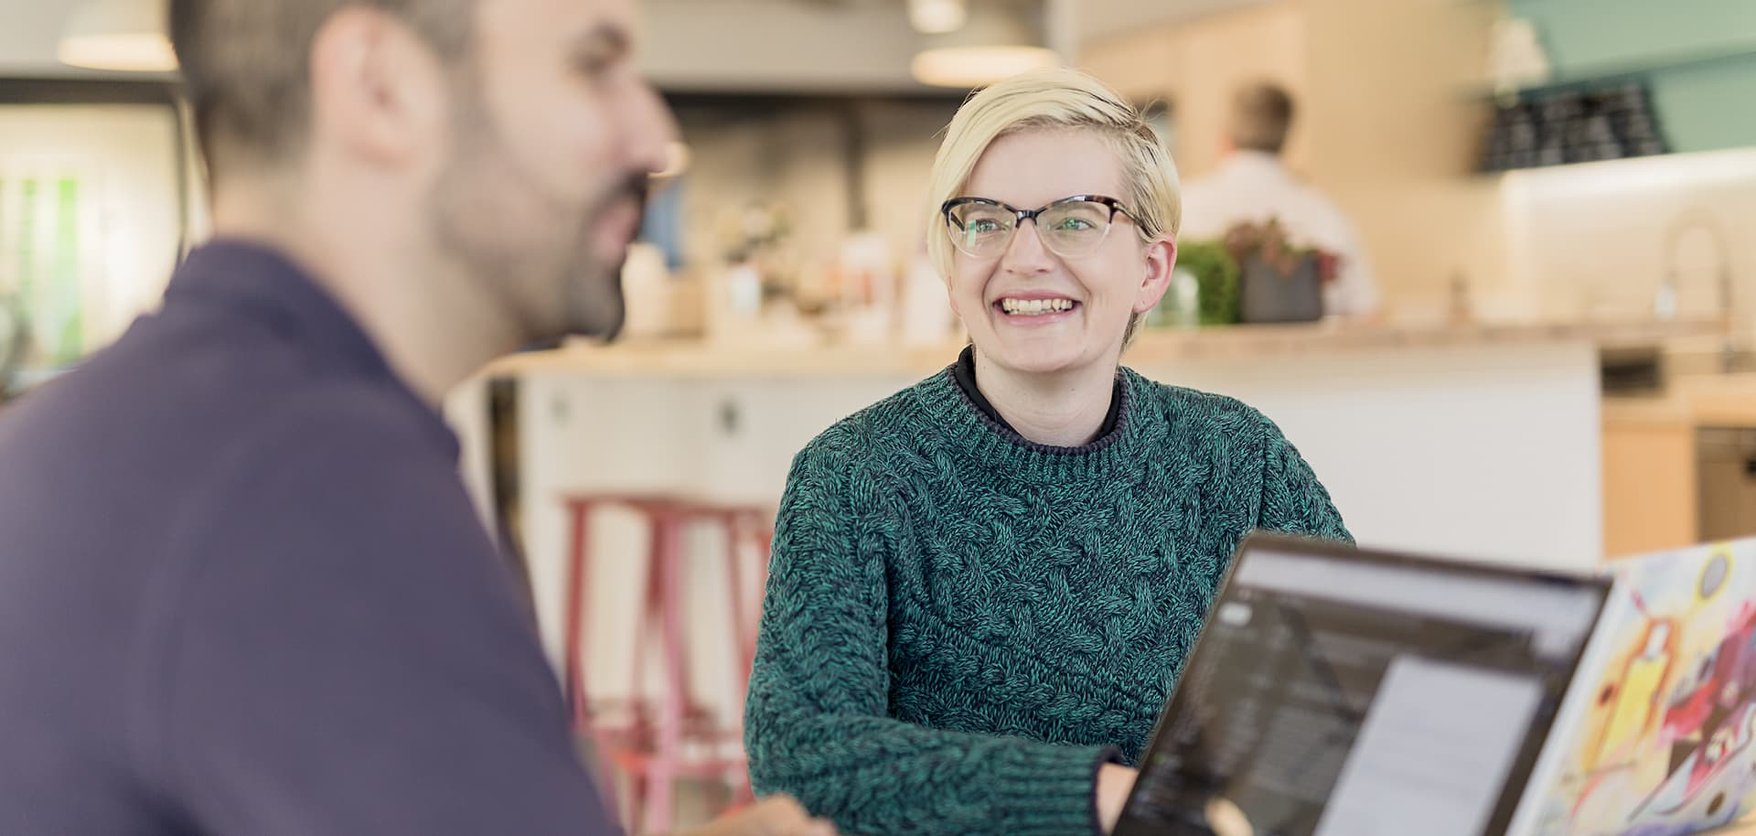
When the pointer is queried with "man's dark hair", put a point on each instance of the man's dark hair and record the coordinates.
(247, 66)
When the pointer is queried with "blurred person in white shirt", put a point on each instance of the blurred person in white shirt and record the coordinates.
(1253, 185)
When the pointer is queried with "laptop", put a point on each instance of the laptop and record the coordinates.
(1347, 692)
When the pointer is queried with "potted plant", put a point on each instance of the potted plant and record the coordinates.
(1216, 277)
(1278, 281)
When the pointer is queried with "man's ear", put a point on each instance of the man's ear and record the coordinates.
(377, 89)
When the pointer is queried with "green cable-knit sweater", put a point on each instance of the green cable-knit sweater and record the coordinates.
(961, 625)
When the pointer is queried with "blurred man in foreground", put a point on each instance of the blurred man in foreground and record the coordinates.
(241, 588)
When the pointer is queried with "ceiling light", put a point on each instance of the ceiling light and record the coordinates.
(125, 35)
(978, 66)
(936, 17)
(1000, 38)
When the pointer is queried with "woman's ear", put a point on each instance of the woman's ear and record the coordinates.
(1161, 256)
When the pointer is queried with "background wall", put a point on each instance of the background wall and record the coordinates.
(1394, 105)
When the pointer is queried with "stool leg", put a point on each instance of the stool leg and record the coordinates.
(741, 632)
(574, 642)
(763, 539)
(745, 531)
(648, 623)
(641, 722)
(578, 697)
(667, 554)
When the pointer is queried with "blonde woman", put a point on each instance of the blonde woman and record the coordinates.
(984, 586)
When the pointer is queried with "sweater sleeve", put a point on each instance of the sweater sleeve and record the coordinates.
(818, 725)
(1293, 501)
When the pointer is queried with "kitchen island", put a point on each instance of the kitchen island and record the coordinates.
(1476, 441)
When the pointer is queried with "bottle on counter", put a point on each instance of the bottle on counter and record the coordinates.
(1184, 295)
(1461, 310)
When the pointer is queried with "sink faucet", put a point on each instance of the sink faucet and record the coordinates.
(1694, 218)
(1697, 218)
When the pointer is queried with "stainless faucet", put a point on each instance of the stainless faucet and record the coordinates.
(1664, 302)
(1694, 218)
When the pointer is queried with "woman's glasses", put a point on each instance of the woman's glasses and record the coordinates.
(1070, 227)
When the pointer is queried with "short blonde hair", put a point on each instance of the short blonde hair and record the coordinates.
(1056, 99)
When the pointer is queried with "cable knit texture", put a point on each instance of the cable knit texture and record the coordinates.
(961, 624)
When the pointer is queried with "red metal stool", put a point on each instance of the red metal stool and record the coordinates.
(655, 742)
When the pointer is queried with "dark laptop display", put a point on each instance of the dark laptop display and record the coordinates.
(1338, 692)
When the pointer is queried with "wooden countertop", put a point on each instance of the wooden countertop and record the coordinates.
(1724, 400)
(808, 356)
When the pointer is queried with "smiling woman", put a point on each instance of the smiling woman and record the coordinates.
(984, 586)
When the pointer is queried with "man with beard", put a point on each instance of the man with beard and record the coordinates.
(242, 590)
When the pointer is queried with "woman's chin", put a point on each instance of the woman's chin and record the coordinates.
(1042, 355)
(1033, 359)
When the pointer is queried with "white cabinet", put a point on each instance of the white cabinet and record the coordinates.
(729, 439)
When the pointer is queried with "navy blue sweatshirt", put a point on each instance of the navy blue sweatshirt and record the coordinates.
(243, 591)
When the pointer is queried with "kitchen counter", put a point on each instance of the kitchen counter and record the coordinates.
(1158, 347)
(1479, 441)
(1724, 400)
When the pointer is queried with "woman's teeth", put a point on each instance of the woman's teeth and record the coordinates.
(1035, 307)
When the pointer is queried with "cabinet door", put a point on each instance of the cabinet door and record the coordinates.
(730, 440)
(600, 434)
(1727, 461)
(754, 427)
(1649, 487)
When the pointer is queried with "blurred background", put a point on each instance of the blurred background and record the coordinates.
(1554, 197)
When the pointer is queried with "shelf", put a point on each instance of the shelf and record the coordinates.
(1605, 72)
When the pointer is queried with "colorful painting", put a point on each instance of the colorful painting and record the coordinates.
(1661, 741)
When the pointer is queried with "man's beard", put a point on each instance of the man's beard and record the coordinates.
(595, 302)
(551, 288)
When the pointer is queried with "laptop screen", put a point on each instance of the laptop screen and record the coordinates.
(1337, 692)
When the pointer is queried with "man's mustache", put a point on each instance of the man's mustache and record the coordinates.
(635, 187)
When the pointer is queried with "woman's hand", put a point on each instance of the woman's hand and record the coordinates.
(1114, 781)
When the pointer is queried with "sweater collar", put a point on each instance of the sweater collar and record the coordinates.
(972, 431)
